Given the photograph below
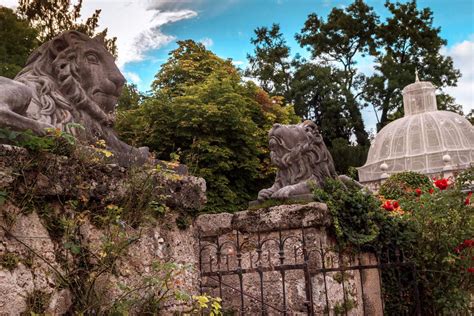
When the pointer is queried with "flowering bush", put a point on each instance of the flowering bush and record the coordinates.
(431, 222)
(404, 183)
(436, 226)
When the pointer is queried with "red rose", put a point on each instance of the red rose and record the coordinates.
(388, 206)
(431, 191)
(470, 270)
(395, 204)
(418, 192)
(441, 184)
(468, 199)
(468, 243)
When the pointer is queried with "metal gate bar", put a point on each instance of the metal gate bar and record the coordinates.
(224, 256)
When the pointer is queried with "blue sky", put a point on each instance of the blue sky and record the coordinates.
(229, 27)
(148, 29)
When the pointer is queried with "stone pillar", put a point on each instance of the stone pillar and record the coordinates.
(372, 287)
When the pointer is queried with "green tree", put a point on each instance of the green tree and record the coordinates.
(17, 41)
(271, 62)
(316, 94)
(217, 123)
(189, 64)
(130, 97)
(347, 155)
(408, 41)
(53, 17)
(346, 34)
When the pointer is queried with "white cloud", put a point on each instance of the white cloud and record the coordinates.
(208, 42)
(238, 62)
(173, 5)
(136, 25)
(463, 58)
(254, 80)
(9, 3)
(133, 77)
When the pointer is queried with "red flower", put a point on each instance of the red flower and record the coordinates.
(418, 192)
(441, 184)
(388, 206)
(470, 270)
(468, 243)
(468, 199)
(431, 190)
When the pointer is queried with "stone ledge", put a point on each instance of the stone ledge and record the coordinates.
(301, 198)
(49, 175)
(292, 216)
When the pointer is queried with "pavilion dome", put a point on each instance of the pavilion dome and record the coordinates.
(424, 140)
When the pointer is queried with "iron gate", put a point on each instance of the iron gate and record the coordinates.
(300, 272)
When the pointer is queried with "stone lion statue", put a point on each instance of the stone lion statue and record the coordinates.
(302, 159)
(69, 79)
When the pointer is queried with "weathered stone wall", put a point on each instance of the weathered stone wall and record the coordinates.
(269, 239)
(53, 236)
(55, 203)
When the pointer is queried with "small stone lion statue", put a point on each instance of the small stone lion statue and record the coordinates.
(302, 159)
(69, 79)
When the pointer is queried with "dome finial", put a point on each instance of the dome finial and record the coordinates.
(416, 75)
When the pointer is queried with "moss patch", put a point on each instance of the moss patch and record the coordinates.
(9, 261)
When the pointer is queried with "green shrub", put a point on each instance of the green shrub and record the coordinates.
(55, 141)
(435, 232)
(219, 124)
(404, 184)
(434, 229)
(439, 223)
(355, 212)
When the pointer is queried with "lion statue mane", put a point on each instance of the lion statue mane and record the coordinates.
(69, 79)
(302, 159)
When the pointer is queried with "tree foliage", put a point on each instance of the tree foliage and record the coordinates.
(346, 33)
(328, 88)
(271, 63)
(189, 64)
(408, 41)
(347, 155)
(51, 18)
(315, 93)
(17, 41)
(217, 124)
(130, 97)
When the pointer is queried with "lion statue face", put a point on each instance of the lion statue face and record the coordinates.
(301, 156)
(97, 73)
(74, 79)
